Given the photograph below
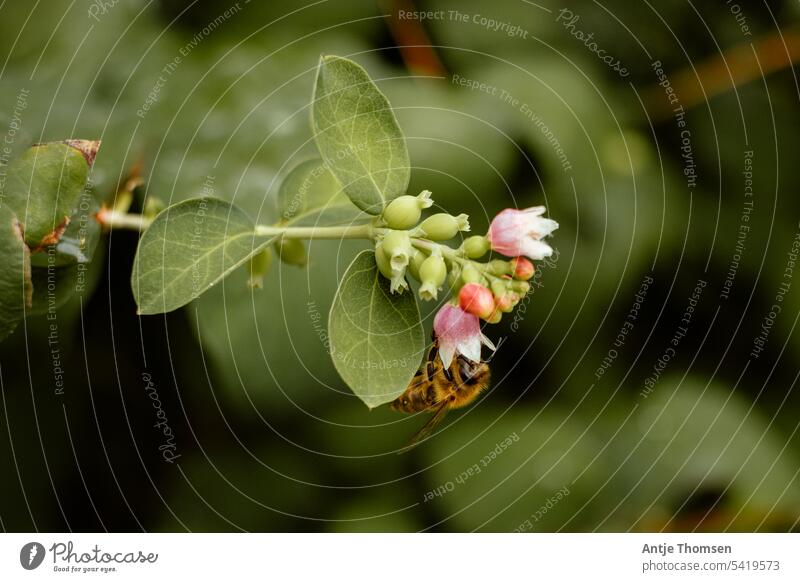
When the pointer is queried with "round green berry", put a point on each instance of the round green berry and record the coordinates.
(475, 246)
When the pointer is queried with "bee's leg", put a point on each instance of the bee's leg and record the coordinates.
(448, 374)
(430, 365)
(467, 370)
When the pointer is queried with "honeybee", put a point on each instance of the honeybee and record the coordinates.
(437, 389)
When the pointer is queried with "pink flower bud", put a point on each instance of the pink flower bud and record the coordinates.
(476, 299)
(458, 333)
(519, 232)
(522, 268)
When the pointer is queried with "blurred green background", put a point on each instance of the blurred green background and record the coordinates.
(268, 437)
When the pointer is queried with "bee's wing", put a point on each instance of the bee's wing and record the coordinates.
(426, 428)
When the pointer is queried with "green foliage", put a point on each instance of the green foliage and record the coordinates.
(358, 135)
(187, 249)
(376, 336)
(310, 195)
(495, 476)
(47, 227)
(692, 431)
(44, 185)
(15, 282)
(218, 110)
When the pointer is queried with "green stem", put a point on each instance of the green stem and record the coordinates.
(448, 253)
(115, 219)
(122, 220)
(367, 231)
(454, 256)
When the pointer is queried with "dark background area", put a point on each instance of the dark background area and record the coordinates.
(269, 438)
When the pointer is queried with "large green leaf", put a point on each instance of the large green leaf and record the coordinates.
(358, 135)
(190, 247)
(15, 285)
(310, 195)
(376, 336)
(43, 187)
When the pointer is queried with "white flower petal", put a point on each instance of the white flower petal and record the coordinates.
(446, 353)
(535, 249)
(428, 291)
(470, 349)
(398, 284)
(535, 210)
(544, 227)
(488, 343)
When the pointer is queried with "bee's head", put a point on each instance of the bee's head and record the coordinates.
(472, 372)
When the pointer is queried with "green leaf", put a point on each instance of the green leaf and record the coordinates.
(376, 337)
(43, 187)
(358, 135)
(188, 248)
(78, 241)
(15, 282)
(310, 195)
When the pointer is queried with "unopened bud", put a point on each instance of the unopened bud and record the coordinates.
(521, 287)
(470, 274)
(521, 268)
(476, 299)
(507, 301)
(415, 263)
(259, 267)
(499, 267)
(475, 246)
(432, 274)
(292, 251)
(455, 277)
(382, 261)
(397, 247)
(444, 226)
(396, 277)
(499, 288)
(495, 316)
(404, 211)
(152, 206)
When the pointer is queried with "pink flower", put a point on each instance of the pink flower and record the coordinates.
(476, 299)
(458, 332)
(520, 232)
(522, 268)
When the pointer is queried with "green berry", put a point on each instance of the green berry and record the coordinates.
(433, 270)
(432, 275)
(389, 267)
(444, 226)
(521, 287)
(499, 288)
(475, 246)
(152, 206)
(507, 302)
(415, 263)
(455, 277)
(495, 317)
(397, 248)
(292, 252)
(402, 212)
(470, 274)
(500, 267)
(259, 267)
(382, 261)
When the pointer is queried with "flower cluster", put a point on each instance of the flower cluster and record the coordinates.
(479, 290)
